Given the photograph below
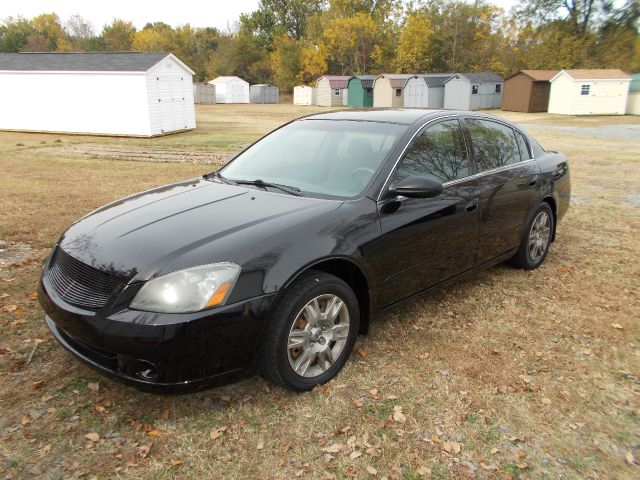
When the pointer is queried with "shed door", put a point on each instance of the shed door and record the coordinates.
(172, 102)
(540, 96)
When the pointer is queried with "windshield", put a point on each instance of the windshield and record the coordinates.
(327, 157)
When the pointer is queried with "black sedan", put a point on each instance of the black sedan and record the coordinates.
(278, 261)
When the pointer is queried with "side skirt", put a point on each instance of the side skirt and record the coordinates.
(457, 278)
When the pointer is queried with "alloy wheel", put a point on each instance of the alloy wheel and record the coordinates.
(539, 236)
(318, 335)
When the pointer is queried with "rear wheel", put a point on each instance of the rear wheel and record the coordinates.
(311, 333)
(536, 240)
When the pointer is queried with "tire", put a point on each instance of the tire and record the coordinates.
(536, 239)
(299, 352)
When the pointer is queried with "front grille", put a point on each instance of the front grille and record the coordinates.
(80, 284)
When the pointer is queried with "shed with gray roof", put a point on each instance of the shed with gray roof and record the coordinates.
(425, 91)
(105, 93)
(473, 91)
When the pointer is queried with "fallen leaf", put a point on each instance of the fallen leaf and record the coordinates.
(217, 432)
(3, 295)
(374, 393)
(335, 448)
(424, 470)
(144, 450)
(154, 433)
(176, 463)
(93, 436)
(358, 403)
(617, 326)
(9, 308)
(299, 473)
(371, 470)
(165, 415)
(546, 401)
(522, 466)
(25, 420)
(131, 463)
(484, 466)
(94, 387)
(362, 353)
(8, 280)
(355, 454)
(629, 458)
(260, 445)
(494, 451)
(398, 416)
(451, 447)
(32, 295)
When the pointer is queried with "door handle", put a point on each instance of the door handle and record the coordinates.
(472, 205)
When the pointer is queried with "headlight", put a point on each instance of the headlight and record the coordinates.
(188, 290)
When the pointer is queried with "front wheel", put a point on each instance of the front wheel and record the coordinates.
(536, 240)
(312, 332)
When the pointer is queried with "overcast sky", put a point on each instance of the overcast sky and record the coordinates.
(198, 13)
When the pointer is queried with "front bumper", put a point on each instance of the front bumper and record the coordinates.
(175, 353)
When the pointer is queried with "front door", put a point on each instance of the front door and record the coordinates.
(508, 179)
(428, 240)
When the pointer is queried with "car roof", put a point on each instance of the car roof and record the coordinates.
(387, 115)
(401, 116)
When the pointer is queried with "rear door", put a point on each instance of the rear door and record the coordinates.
(428, 240)
(508, 181)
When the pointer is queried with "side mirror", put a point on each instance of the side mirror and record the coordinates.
(416, 186)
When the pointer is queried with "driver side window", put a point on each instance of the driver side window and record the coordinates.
(438, 152)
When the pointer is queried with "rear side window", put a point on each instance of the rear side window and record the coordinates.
(494, 144)
(525, 154)
(438, 152)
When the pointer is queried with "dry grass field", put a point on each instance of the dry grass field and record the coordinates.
(509, 374)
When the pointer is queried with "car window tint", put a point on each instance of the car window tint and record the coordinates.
(522, 145)
(494, 144)
(438, 152)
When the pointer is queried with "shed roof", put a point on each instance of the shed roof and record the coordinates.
(436, 79)
(597, 74)
(82, 61)
(479, 77)
(397, 80)
(226, 79)
(537, 75)
(366, 80)
(337, 81)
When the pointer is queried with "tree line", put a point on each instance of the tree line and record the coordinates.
(288, 42)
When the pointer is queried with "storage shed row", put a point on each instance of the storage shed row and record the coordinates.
(469, 91)
(119, 93)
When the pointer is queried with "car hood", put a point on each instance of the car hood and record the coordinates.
(158, 231)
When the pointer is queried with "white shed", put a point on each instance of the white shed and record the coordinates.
(264, 93)
(132, 94)
(473, 91)
(231, 90)
(388, 89)
(304, 95)
(425, 91)
(589, 92)
(331, 90)
(204, 93)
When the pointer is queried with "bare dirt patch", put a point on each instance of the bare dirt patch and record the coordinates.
(13, 252)
(140, 154)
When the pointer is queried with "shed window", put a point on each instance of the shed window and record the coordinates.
(336, 92)
(398, 92)
(585, 89)
(498, 88)
(474, 90)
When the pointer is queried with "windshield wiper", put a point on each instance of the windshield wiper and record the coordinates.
(261, 183)
(219, 176)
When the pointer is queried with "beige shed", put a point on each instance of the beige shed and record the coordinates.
(388, 89)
